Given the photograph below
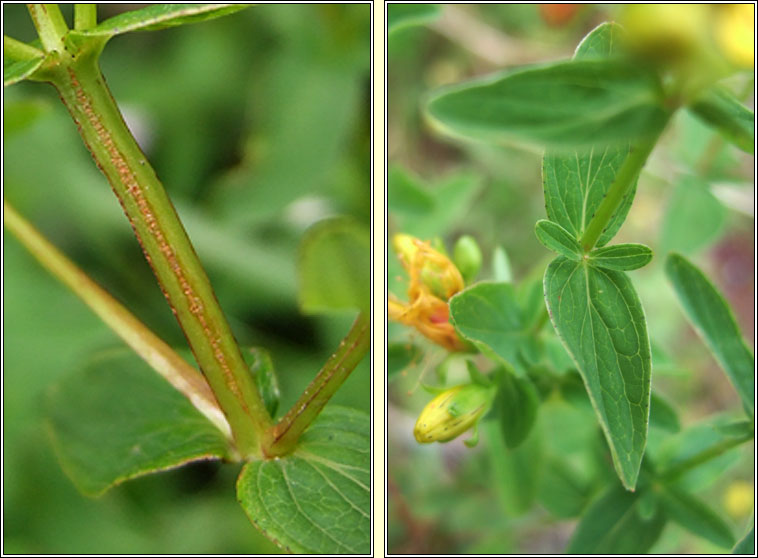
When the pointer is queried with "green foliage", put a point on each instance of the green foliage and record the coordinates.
(722, 110)
(318, 500)
(621, 257)
(116, 419)
(714, 322)
(404, 15)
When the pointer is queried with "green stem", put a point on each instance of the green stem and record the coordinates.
(162, 358)
(16, 50)
(677, 470)
(85, 16)
(620, 188)
(283, 437)
(50, 25)
(166, 245)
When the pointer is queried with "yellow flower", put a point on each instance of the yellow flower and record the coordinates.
(738, 499)
(433, 280)
(735, 33)
(453, 412)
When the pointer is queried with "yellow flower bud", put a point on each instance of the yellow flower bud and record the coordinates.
(453, 412)
(429, 267)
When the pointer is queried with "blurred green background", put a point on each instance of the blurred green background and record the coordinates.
(695, 196)
(258, 124)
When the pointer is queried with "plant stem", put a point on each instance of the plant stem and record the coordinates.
(162, 358)
(85, 16)
(678, 469)
(165, 244)
(16, 50)
(50, 25)
(620, 188)
(281, 439)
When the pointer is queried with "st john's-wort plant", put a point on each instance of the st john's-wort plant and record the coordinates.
(305, 481)
(555, 370)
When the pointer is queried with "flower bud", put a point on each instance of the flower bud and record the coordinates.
(467, 257)
(452, 412)
(425, 264)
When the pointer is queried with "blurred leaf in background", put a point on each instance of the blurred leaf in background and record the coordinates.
(258, 125)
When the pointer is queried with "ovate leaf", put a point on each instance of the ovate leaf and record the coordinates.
(318, 499)
(621, 257)
(116, 419)
(713, 320)
(612, 526)
(600, 320)
(556, 238)
(566, 105)
(695, 516)
(576, 181)
(334, 267)
(405, 15)
(720, 109)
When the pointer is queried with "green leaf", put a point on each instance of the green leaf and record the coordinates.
(621, 257)
(516, 403)
(116, 419)
(662, 414)
(611, 525)
(575, 182)
(334, 267)
(747, 544)
(723, 111)
(487, 315)
(157, 16)
(19, 71)
(695, 516)
(566, 105)
(262, 369)
(317, 500)
(600, 321)
(556, 238)
(691, 202)
(560, 491)
(405, 15)
(713, 320)
(400, 356)
(515, 473)
(406, 194)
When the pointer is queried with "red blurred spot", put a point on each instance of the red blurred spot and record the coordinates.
(558, 14)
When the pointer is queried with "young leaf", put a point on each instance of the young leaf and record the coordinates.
(405, 15)
(662, 414)
(600, 321)
(157, 16)
(565, 105)
(334, 267)
(116, 419)
(263, 372)
(576, 182)
(747, 544)
(723, 111)
(516, 404)
(487, 315)
(318, 499)
(501, 266)
(19, 71)
(556, 238)
(612, 526)
(713, 320)
(621, 257)
(695, 516)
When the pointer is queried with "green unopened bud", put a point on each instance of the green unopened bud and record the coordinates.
(453, 412)
(467, 257)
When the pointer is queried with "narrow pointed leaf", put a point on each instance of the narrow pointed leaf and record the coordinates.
(713, 320)
(158, 16)
(576, 181)
(318, 499)
(334, 267)
(723, 111)
(556, 238)
(116, 419)
(20, 70)
(621, 257)
(696, 517)
(600, 320)
(612, 525)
